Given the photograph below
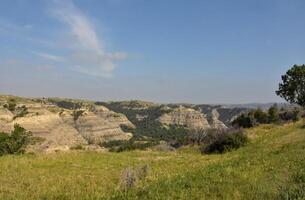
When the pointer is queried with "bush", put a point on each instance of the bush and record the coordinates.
(290, 115)
(125, 128)
(21, 111)
(16, 142)
(244, 121)
(129, 145)
(206, 136)
(226, 141)
(66, 104)
(296, 115)
(260, 116)
(11, 106)
(77, 147)
(257, 116)
(76, 114)
(273, 114)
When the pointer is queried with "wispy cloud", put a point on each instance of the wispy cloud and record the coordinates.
(80, 26)
(89, 55)
(49, 56)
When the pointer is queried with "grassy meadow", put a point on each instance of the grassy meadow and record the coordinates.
(271, 166)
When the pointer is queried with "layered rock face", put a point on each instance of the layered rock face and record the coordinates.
(186, 117)
(223, 114)
(102, 125)
(62, 129)
(215, 123)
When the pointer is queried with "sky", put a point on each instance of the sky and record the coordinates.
(166, 51)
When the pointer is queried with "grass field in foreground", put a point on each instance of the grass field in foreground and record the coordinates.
(271, 166)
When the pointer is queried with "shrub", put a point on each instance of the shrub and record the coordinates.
(244, 121)
(112, 143)
(128, 145)
(11, 106)
(225, 142)
(133, 145)
(273, 114)
(4, 143)
(290, 115)
(16, 142)
(205, 136)
(260, 116)
(21, 111)
(76, 114)
(296, 115)
(77, 147)
(257, 116)
(66, 104)
(126, 128)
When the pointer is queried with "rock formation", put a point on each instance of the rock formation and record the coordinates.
(186, 117)
(62, 129)
(66, 123)
(215, 123)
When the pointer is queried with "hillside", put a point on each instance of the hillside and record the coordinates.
(67, 123)
(63, 123)
(271, 166)
(150, 118)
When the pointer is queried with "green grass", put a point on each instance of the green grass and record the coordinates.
(271, 166)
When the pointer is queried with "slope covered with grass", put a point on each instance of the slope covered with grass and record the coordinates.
(271, 166)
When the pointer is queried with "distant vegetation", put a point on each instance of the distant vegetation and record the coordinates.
(66, 104)
(18, 111)
(149, 132)
(76, 114)
(10, 105)
(132, 144)
(272, 115)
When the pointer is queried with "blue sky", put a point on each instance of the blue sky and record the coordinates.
(195, 51)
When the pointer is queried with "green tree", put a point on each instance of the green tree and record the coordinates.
(292, 88)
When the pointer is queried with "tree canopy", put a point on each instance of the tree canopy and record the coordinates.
(292, 88)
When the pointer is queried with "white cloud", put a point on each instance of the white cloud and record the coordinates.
(49, 56)
(80, 26)
(88, 54)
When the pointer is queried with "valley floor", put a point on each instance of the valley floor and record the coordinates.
(272, 166)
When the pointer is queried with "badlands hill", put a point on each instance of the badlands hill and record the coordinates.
(66, 123)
